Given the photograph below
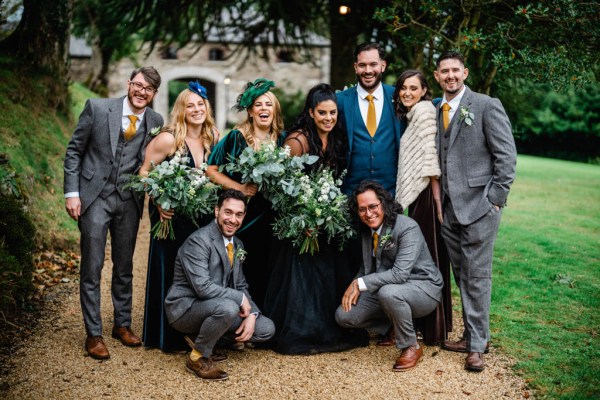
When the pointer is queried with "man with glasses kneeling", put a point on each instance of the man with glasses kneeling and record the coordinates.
(397, 280)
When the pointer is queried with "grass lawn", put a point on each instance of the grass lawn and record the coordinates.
(546, 292)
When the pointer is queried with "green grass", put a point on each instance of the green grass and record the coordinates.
(35, 137)
(546, 296)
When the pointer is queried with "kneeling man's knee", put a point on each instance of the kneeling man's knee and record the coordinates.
(343, 318)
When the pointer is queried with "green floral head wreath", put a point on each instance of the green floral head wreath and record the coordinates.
(252, 90)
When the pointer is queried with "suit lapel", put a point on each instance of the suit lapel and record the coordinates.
(367, 251)
(115, 118)
(458, 121)
(351, 102)
(221, 251)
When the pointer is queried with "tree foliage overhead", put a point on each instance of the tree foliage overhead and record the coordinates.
(553, 41)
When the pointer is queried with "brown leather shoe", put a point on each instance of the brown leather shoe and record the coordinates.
(389, 339)
(460, 346)
(204, 368)
(126, 336)
(474, 362)
(95, 347)
(408, 359)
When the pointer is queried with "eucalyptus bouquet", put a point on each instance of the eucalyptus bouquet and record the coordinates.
(175, 185)
(312, 205)
(267, 167)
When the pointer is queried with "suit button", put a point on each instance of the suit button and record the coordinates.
(445, 148)
(105, 178)
(372, 140)
(372, 156)
(111, 162)
(446, 136)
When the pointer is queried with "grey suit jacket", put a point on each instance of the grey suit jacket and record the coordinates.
(480, 161)
(403, 257)
(202, 271)
(91, 151)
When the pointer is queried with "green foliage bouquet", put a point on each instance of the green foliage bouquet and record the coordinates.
(175, 185)
(267, 167)
(309, 206)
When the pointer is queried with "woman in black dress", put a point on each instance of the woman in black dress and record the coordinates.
(305, 290)
(264, 124)
(192, 132)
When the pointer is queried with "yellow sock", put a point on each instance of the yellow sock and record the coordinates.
(195, 355)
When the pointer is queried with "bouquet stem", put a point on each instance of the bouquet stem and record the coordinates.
(310, 244)
(163, 230)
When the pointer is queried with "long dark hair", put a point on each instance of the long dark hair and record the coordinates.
(400, 109)
(390, 208)
(334, 155)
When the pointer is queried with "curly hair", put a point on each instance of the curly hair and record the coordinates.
(178, 127)
(390, 208)
(247, 128)
(334, 155)
(231, 194)
(400, 108)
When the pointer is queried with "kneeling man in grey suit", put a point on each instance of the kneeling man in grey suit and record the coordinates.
(209, 297)
(398, 279)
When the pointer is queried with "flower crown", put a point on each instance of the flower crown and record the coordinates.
(197, 88)
(252, 90)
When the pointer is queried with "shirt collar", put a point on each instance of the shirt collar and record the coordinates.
(377, 93)
(127, 110)
(378, 230)
(455, 101)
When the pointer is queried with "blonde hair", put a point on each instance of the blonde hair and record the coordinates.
(247, 128)
(178, 127)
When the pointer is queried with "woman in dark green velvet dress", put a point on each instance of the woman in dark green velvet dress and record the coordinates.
(192, 132)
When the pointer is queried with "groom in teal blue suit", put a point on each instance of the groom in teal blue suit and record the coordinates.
(373, 130)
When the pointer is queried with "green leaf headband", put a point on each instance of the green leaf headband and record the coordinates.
(252, 90)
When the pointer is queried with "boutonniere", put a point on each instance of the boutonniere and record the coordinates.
(240, 254)
(466, 115)
(386, 242)
(155, 131)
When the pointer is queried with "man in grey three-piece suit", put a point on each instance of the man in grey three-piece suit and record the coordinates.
(106, 147)
(478, 161)
(209, 297)
(398, 279)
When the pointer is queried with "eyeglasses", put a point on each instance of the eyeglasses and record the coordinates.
(140, 87)
(371, 208)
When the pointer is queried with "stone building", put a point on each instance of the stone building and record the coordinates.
(223, 74)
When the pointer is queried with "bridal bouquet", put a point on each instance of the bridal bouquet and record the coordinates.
(175, 185)
(310, 206)
(267, 167)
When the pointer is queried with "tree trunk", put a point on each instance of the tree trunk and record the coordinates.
(41, 43)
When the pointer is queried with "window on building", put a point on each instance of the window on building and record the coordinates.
(169, 53)
(216, 54)
(285, 56)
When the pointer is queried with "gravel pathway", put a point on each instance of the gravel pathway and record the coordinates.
(52, 364)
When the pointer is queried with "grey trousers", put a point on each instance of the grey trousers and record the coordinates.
(122, 219)
(398, 303)
(210, 319)
(471, 249)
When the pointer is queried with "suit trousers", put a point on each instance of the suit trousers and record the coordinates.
(121, 219)
(398, 302)
(471, 249)
(210, 319)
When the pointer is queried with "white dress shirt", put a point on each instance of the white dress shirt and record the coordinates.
(454, 103)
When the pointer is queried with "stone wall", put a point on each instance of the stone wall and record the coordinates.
(229, 75)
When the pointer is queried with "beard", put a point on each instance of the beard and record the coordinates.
(375, 83)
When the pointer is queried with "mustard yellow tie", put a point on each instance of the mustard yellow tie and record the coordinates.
(446, 115)
(375, 242)
(131, 129)
(371, 116)
(230, 253)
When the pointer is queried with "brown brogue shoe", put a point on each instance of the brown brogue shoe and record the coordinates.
(389, 339)
(95, 347)
(204, 368)
(408, 359)
(474, 362)
(126, 336)
(460, 346)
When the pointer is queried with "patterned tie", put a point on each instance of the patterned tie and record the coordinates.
(371, 116)
(230, 253)
(446, 115)
(131, 129)
(375, 242)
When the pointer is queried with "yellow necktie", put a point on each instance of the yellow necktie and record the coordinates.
(230, 254)
(371, 116)
(131, 129)
(375, 242)
(446, 115)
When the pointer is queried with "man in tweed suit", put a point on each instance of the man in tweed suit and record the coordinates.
(106, 147)
(478, 160)
(209, 297)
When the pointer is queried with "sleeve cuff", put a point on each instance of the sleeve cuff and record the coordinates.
(71, 194)
(361, 285)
